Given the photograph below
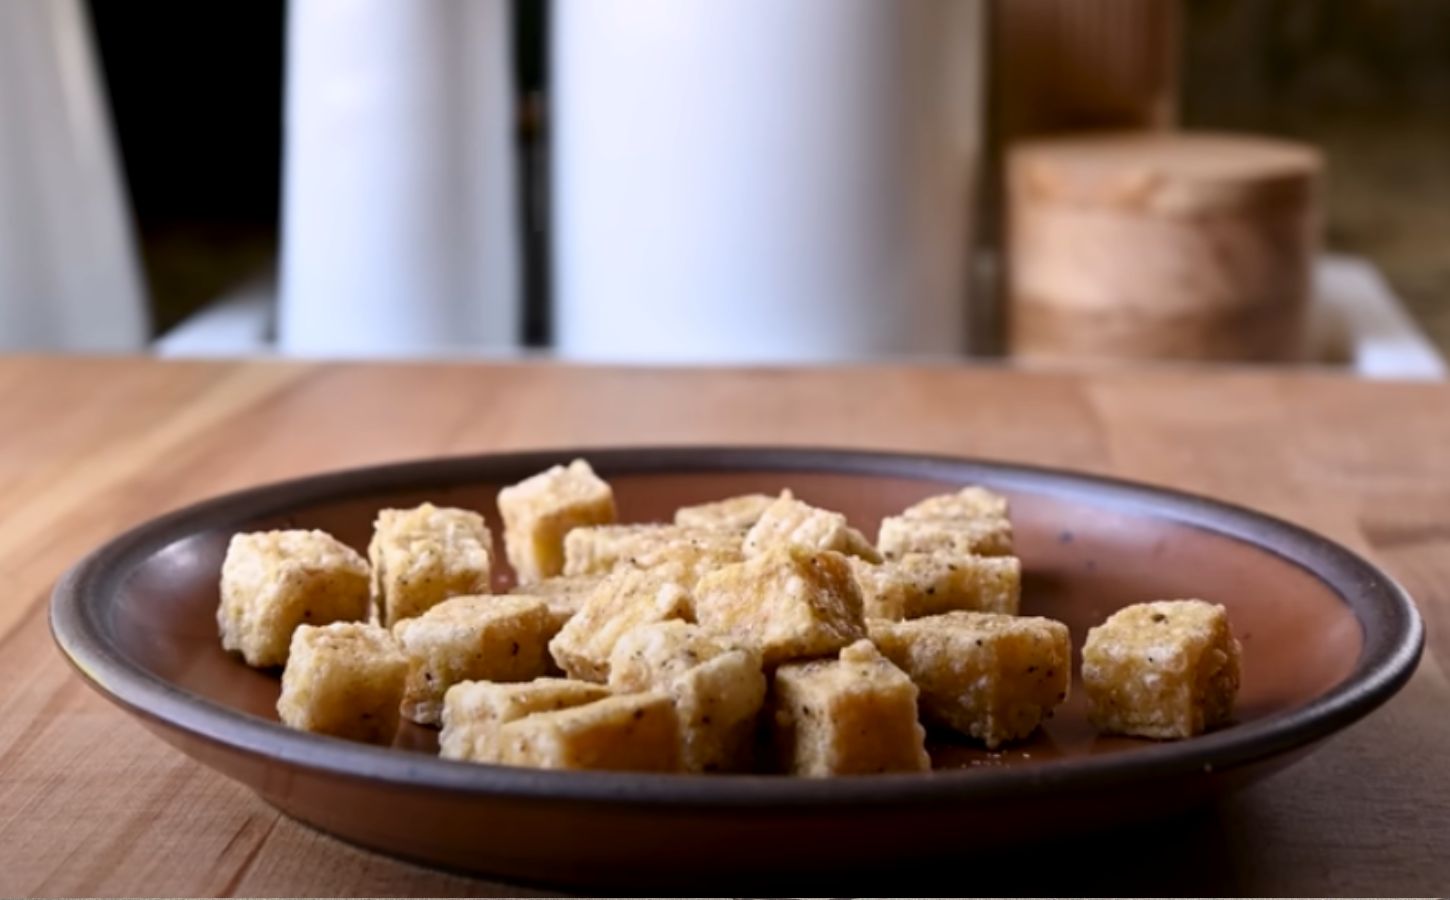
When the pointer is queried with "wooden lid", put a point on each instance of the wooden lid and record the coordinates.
(1159, 173)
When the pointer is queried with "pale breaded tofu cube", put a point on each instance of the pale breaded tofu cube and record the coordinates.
(988, 676)
(474, 711)
(274, 581)
(731, 514)
(564, 594)
(1168, 669)
(597, 550)
(689, 561)
(624, 599)
(632, 732)
(925, 584)
(959, 537)
(345, 680)
(788, 603)
(788, 521)
(540, 511)
(849, 716)
(558, 610)
(423, 556)
(970, 502)
(717, 689)
(482, 638)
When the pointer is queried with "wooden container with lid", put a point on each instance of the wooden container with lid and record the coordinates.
(1161, 246)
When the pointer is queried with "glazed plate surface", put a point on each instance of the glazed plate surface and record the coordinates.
(1326, 638)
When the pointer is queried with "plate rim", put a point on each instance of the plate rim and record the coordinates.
(1392, 629)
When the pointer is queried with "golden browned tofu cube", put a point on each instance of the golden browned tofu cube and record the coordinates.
(274, 581)
(957, 537)
(717, 688)
(540, 511)
(423, 556)
(789, 522)
(1168, 669)
(564, 594)
(597, 550)
(849, 716)
(731, 514)
(988, 676)
(481, 638)
(624, 599)
(474, 711)
(345, 680)
(789, 603)
(970, 502)
(633, 732)
(925, 584)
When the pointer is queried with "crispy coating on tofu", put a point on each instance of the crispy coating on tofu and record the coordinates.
(484, 638)
(788, 603)
(731, 514)
(599, 549)
(274, 581)
(790, 522)
(849, 716)
(899, 536)
(971, 521)
(344, 680)
(424, 555)
(474, 711)
(1165, 670)
(689, 561)
(540, 511)
(624, 599)
(633, 732)
(717, 688)
(971, 502)
(925, 584)
(991, 677)
(564, 594)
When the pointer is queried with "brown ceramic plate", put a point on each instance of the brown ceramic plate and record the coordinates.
(1326, 638)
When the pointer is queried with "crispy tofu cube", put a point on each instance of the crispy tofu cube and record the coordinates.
(925, 584)
(789, 603)
(970, 502)
(540, 511)
(626, 598)
(632, 732)
(958, 537)
(423, 556)
(717, 689)
(482, 638)
(345, 680)
(788, 521)
(564, 594)
(689, 561)
(1168, 669)
(731, 514)
(474, 711)
(274, 581)
(848, 716)
(598, 549)
(988, 676)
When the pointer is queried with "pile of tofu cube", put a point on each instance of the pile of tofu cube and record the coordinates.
(753, 634)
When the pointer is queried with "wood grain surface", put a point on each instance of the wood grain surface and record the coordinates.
(91, 803)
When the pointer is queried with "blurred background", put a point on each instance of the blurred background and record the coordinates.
(1055, 181)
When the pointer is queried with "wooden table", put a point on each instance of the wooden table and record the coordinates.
(92, 803)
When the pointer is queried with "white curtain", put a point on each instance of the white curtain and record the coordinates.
(69, 276)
